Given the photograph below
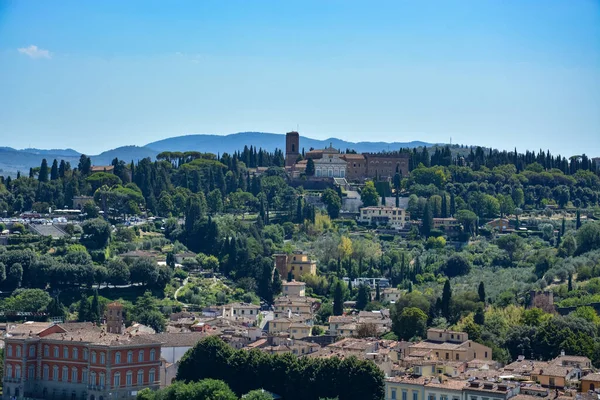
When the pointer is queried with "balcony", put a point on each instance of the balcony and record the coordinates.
(96, 387)
(10, 379)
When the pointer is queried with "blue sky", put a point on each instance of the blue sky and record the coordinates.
(94, 75)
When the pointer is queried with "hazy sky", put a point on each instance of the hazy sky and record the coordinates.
(94, 75)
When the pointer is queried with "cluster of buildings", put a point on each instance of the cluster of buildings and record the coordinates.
(82, 361)
(330, 163)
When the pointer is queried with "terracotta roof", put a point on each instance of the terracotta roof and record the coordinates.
(426, 344)
(591, 378)
(179, 339)
(293, 283)
(452, 384)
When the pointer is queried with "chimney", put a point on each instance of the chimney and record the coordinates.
(562, 353)
(289, 313)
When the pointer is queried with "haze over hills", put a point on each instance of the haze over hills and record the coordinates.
(13, 160)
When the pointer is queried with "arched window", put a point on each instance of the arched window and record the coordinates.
(93, 378)
(151, 376)
(141, 356)
(9, 371)
(18, 351)
(55, 373)
(102, 358)
(9, 350)
(65, 352)
(74, 375)
(65, 374)
(31, 372)
(140, 377)
(102, 379)
(118, 357)
(84, 375)
(117, 380)
(75, 353)
(18, 372)
(93, 357)
(55, 351)
(130, 356)
(32, 351)
(129, 378)
(46, 351)
(152, 355)
(46, 372)
(86, 354)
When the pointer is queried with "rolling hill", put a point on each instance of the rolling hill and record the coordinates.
(13, 160)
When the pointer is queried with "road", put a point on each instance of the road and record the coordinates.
(185, 281)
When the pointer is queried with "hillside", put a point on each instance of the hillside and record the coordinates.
(267, 141)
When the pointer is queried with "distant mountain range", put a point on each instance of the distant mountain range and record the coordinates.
(13, 160)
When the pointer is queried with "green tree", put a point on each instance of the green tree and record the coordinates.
(588, 237)
(43, 174)
(258, 395)
(54, 170)
(578, 220)
(457, 265)
(310, 167)
(412, 323)
(481, 292)
(446, 300)
(467, 219)
(362, 299)
(95, 309)
(97, 233)
(332, 202)
(369, 195)
(427, 220)
(214, 201)
(83, 311)
(338, 299)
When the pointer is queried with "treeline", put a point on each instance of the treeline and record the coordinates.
(286, 375)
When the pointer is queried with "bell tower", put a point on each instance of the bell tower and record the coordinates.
(292, 144)
(115, 320)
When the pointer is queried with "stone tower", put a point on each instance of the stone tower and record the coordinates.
(115, 318)
(292, 148)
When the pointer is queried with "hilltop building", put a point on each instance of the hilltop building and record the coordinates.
(296, 264)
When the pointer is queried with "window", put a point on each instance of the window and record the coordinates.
(432, 397)
(118, 357)
(117, 380)
(102, 358)
(552, 383)
(457, 356)
(75, 352)
(18, 351)
(130, 356)
(93, 378)
(140, 377)
(129, 378)
(31, 351)
(18, 372)
(9, 371)
(93, 357)
(84, 375)
(102, 379)
(46, 373)
(486, 354)
(46, 351)
(9, 350)
(55, 351)
(152, 354)
(65, 352)
(141, 356)
(415, 395)
(55, 373)
(65, 374)
(31, 372)
(433, 369)
(393, 394)
(151, 376)
(404, 395)
(74, 375)
(86, 354)
(474, 355)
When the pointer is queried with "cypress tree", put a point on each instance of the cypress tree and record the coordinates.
(481, 292)
(95, 309)
(83, 313)
(377, 293)
(54, 170)
(338, 299)
(43, 175)
(578, 223)
(446, 300)
(563, 226)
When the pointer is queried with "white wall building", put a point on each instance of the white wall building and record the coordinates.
(383, 215)
(330, 165)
